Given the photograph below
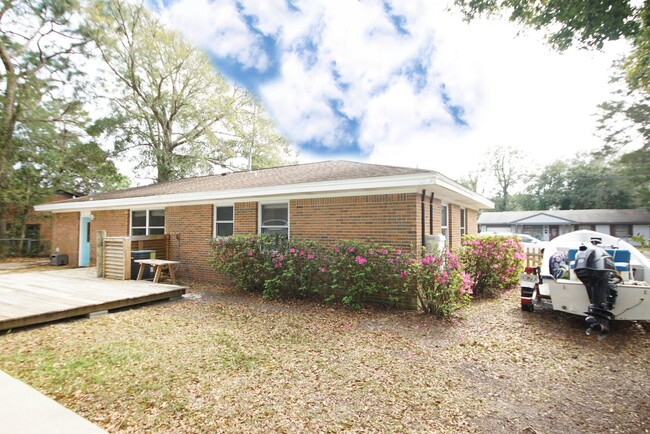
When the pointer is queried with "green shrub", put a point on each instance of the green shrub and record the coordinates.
(438, 282)
(245, 258)
(493, 262)
(353, 272)
(297, 270)
(365, 272)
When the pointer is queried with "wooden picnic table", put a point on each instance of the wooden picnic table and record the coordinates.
(159, 266)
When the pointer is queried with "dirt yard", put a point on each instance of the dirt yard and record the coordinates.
(220, 361)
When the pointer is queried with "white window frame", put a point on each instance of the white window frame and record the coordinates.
(259, 216)
(147, 227)
(463, 221)
(215, 221)
(444, 229)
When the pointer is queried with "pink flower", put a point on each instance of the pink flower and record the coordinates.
(351, 250)
(250, 253)
(322, 270)
(337, 250)
(391, 260)
(292, 250)
(371, 252)
(398, 252)
(302, 252)
(361, 260)
(310, 256)
(495, 266)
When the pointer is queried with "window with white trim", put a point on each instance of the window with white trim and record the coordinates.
(274, 219)
(444, 222)
(148, 222)
(224, 225)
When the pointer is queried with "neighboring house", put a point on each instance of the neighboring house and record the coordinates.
(38, 225)
(324, 201)
(546, 225)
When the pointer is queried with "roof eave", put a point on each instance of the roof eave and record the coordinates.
(418, 180)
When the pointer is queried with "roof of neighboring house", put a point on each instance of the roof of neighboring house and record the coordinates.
(296, 179)
(577, 216)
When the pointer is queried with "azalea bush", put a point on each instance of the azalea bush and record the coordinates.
(438, 282)
(297, 270)
(352, 272)
(364, 272)
(244, 258)
(493, 263)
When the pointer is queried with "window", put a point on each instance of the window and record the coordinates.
(224, 221)
(274, 219)
(463, 224)
(148, 222)
(444, 213)
(622, 231)
(533, 231)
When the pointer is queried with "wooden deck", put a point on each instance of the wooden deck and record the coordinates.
(38, 297)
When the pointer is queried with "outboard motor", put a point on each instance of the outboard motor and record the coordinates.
(597, 271)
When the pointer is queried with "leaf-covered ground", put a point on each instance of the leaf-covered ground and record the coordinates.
(221, 361)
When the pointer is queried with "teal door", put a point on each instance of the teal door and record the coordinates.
(84, 257)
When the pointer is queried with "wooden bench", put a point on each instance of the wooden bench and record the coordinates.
(159, 266)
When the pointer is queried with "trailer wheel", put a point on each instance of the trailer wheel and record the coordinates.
(528, 307)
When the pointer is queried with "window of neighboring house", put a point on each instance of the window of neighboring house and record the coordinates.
(586, 227)
(463, 224)
(622, 231)
(33, 231)
(444, 219)
(274, 219)
(224, 221)
(533, 231)
(148, 222)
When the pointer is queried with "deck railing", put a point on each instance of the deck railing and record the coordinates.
(23, 247)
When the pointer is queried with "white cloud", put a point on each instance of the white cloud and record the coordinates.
(514, 90)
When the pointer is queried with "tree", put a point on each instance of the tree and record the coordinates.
(37, 39)
(169, 104)
(505, 165)
(624, 124)
(590, 24)
(57, 156)
(579, 183)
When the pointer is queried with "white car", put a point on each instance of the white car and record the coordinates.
(528, 241)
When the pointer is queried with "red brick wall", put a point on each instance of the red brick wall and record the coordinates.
(246, 218)
(65, 235)
(386, 219)
(454, 226)
(190, 229)
(472, 221)
(114, 222)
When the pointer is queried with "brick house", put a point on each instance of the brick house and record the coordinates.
(36, 225)
(325, 201)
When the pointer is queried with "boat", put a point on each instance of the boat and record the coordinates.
(588, 273)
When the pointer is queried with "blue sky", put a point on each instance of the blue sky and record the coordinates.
(401, 82)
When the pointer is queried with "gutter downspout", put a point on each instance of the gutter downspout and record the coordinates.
(431, 214)
(424, 194)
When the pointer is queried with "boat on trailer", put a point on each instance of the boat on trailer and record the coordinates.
(592, 274)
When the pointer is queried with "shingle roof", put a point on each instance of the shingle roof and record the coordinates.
(286, 175)
(577, 216)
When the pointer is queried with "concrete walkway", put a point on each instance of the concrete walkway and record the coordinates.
(24, 410)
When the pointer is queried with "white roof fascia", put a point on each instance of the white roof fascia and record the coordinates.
(345, 185)
(542, 218)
